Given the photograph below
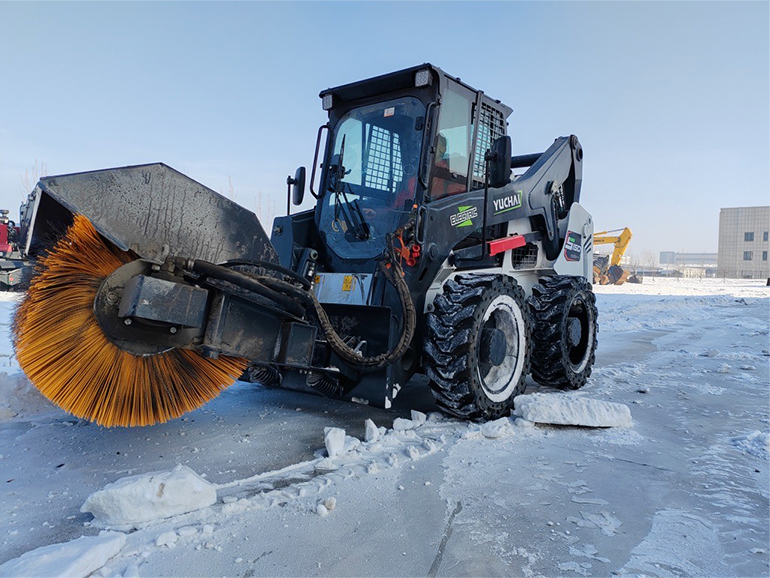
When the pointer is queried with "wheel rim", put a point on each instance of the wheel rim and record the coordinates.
(580, 353)
(499, 380)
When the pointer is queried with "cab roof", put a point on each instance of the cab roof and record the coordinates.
(395, 81)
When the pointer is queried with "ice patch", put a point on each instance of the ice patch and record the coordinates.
(605, 521)
(579, 568)
(74, 559)
(147, 497)
(699, 555)
(564, 409)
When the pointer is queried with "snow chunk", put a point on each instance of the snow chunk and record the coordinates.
(74, 559)
(337, 443)
(564, 409)
(401, 424)
(756, 443)
(19, 398)
(334, 440)
(187, 531)
(523, 423)
(167, 539)
(495, 429)
(371, 433)
(418, 418)
(148, 497)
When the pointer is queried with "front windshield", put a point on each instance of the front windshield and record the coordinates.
(379, 146)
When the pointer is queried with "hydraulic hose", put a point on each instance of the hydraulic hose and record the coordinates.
(395, 276)
(248, 282)
(272, 266)
(292, 298)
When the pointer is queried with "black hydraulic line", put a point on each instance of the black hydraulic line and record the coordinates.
(395, 276)
(241, 280)
(291, 298)
(273, 267)
(522, 161)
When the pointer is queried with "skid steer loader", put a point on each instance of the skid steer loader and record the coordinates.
(423, 253)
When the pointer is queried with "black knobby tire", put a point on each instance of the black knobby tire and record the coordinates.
(477, 346)
(565, 332)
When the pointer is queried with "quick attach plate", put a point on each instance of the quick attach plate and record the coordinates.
(136, 335)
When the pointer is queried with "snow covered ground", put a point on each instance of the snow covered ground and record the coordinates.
(681, 489)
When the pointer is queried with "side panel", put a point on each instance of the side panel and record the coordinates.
(577, 254)
(343, 288)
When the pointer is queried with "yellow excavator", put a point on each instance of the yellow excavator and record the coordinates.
(607, 269)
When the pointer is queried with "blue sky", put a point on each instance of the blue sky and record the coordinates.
(669, 99)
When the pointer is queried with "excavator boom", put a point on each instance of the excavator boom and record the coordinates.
(609, 271)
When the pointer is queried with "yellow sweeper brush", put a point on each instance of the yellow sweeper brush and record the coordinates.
(65, 354)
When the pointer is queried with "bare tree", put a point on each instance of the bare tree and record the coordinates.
(31, 176)
(633, 263)
(650, 261)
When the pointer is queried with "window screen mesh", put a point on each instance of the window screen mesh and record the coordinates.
(384, 169)
(491, 127)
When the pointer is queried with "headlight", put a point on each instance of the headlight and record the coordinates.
(423, 77)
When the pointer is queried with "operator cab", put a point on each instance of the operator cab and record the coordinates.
(395, 143)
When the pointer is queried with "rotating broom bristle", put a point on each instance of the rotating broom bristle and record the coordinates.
(63, 351)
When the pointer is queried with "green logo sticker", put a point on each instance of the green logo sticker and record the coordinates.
(463, 216)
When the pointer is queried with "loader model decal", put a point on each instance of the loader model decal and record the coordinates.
(572, 246)
(507, 202)
(464, 216)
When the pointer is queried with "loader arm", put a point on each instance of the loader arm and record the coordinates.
(544, 194)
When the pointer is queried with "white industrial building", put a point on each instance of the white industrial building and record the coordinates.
(743, 242)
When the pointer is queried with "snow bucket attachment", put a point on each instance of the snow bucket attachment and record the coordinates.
(151, 210)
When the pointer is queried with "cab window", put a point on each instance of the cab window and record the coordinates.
(452, 144)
